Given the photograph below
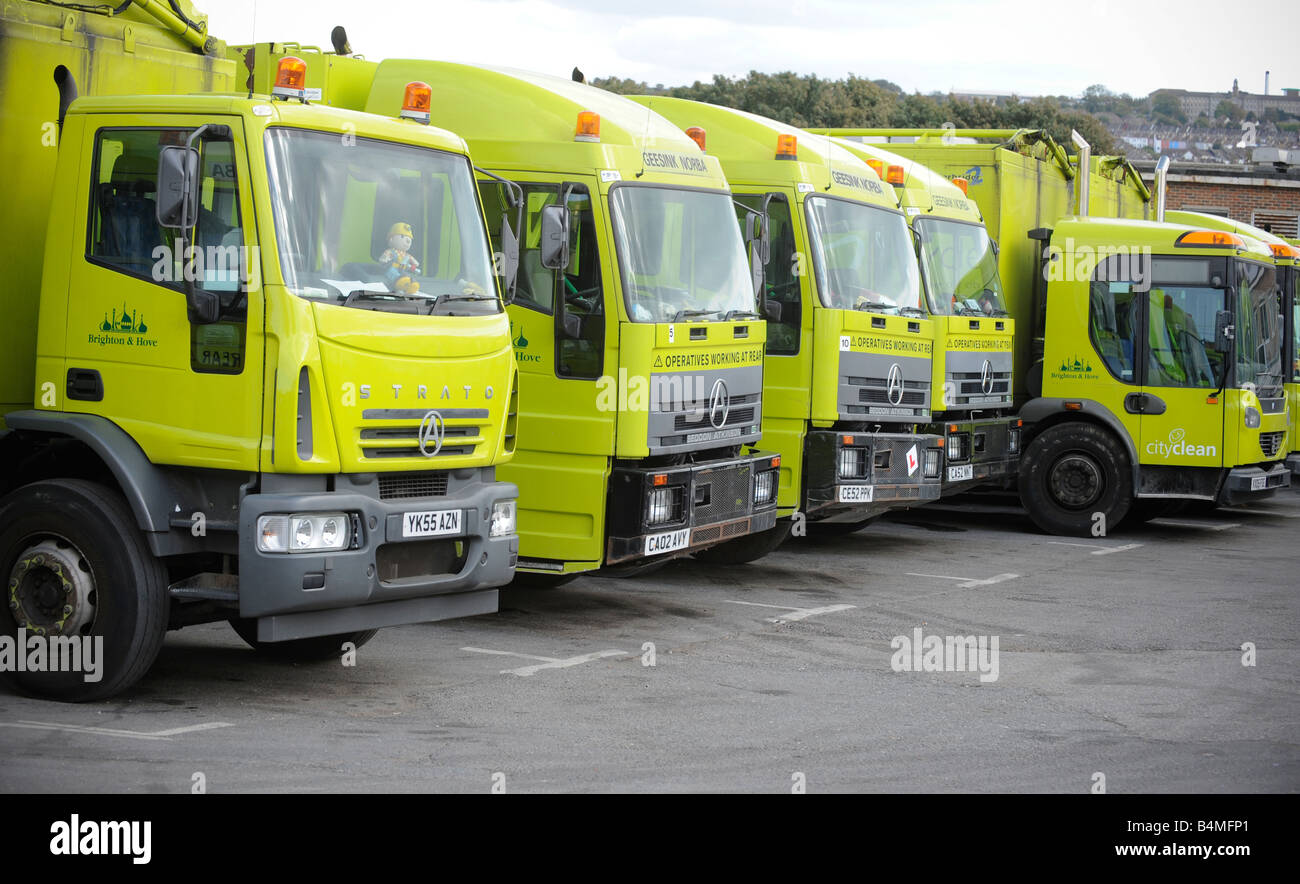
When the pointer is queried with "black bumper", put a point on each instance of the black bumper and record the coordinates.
(990, 452)
(1246, 484)
(711, 502)
(384, 577)
(884, 481)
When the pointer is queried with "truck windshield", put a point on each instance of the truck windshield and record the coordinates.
(863, 257)
(960, 267)
(378, 226)
(681, 255)
(1259, 329)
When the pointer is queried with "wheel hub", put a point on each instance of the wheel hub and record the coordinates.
(1076, 481)
(51, 591)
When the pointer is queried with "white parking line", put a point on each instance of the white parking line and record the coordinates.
(115, 732)
(1098, 549)
(547, 662)
(795, 613)
(1208, 526)
(968, 582)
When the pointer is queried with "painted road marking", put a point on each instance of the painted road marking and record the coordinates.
(115, 732)
(795, 613)
(1208, 526)
(1098, 550)
(968, 582)
(546, 662)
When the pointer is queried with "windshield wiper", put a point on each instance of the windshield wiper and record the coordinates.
(685, 314)
(465, 296)
(874, 305)
(740, 314)
(911, 311)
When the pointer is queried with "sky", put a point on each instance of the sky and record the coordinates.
(922, 45)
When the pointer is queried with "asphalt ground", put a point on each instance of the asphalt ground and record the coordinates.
(1119, 656)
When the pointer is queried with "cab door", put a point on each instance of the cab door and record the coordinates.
(1181, 418)
(189, 393)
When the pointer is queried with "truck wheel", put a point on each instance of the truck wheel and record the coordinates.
(76, 566)
(748, 548)
(299, 650)
(1071, 471)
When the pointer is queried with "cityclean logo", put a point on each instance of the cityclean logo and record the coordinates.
(1178, 446)
(126, 329)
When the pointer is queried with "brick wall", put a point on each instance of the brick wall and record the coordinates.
(1242, 198)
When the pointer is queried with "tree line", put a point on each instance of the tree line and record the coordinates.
(808, 101)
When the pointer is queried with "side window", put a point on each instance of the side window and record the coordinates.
(124, 230)
(1180, 332)
(780, 278)
(535, 285)
(1113, 327)
(581, 354)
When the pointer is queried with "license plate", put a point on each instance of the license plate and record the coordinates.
(856, 493)
(431, 523)
(655, 544)
(965, 471)
(1259, 483)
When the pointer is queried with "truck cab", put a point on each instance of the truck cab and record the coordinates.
(974, 330)
(230, 413)
(635, 321)
(1161, 374)
(848, 369)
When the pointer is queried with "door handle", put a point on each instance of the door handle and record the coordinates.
(1144, 403)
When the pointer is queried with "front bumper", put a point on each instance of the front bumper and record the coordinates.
(885, 482)
(710, 502)
(384, 574)
(987, 456)
(1245, 484)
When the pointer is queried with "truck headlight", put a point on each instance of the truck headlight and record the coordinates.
(663, 506)
(853, 463)
(765, 486)
(303, 532)
(957, 447)
(503, 519)
(1013, 440)
(1252, 417)
(933, 459)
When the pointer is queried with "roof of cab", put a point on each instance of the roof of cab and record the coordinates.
(1094, 231)
(923, 189)
(525, 120)
(746, 145)
(261, 111)
(1218, 222)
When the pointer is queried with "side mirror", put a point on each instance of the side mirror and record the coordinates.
(178, 178)
(510, 257)
(555, 237)
(1224, 331)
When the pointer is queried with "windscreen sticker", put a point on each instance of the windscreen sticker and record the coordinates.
(881, 344)
(709, 358)
(675, 162)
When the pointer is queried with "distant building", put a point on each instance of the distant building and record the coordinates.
(1194, 104)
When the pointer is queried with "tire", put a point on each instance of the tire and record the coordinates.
(746, 549)
(81, 537)
(1071, 471)
(299, 650)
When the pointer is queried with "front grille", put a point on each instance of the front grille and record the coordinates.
(727, 490)
(881, 397)
(410, 486)
(1271, 443)
(735, 417)
(967, 384)
(401, 440)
